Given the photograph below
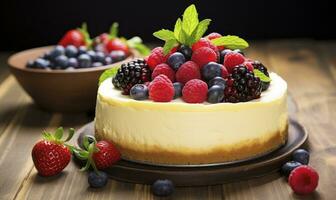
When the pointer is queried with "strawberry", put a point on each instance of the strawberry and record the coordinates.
(117, 44)
(77, 37)
(51, 155)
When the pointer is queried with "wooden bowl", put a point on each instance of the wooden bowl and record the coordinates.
(58, 90)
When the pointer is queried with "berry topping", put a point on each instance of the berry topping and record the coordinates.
(215, 94)
(204, 55)
(139, 92)
(233, 59)
(161, 89)
(195, 91)
(175, 60)
(214, 35)
(156, 57)
(222, 55)
(211, 70)
(163, 188)
(163, 68)
(177, 89)
(303, 180)
(288, 167)
(249, 65)
(203, 42)
(188, 71)
(97, 179)
(186, 51)
(217, 81)
(301, 156)
(258, 65)
(131, 73)
(242, 86)
(225, 73)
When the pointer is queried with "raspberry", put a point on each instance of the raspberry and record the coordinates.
(225, 73)
(203, 42)
(249, 65)
(156, 57)
(303, 179)
(188, 70)
(163, 68)
(215, 35)
(203, 56)
(233, 59)
(195, 91)
(161, 89)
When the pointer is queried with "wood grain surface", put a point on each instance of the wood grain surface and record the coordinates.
(308, 66)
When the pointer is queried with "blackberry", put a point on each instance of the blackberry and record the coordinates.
(242, 86)
(258, 65)
(131, 73)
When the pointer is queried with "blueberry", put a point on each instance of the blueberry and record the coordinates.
(108, 60)
(97, 64)
(99, 57)
(239, 51)
(186, 51)
(176, 60)
(47, 56)
(73, 62)
(117, 55)
(163, 188)
(82, 50)
(71, 51)
(211, 70)
(97, 179)
(217, 81)
(139, 92)
(288, 167)
(61, 61)
(30, 64)
(178, 89)
(57, 51)
(222, 55)
(301, 156)
(92, 54)
(99, 47)
(84, 61)
(215, 94)
(41, 63)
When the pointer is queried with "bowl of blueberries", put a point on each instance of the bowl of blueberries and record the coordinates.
(64, 78)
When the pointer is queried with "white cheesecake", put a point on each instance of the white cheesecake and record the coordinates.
(183, 133)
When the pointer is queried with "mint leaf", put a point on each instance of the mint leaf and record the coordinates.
(202, 27)
(190, 19)
(136, 43)
(108, 74)
(261, 75)
(164, 34)
(114, 30)
(183, 37)
(168, 46)
(177, 28)
(231, 42)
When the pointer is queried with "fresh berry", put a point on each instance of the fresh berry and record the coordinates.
(40, 63)
(188, 71)
(73, 62)
(258, 65)
(217, 81)
(233, 59)
(92, 54)
(57, 51)
(288, 167)
(117, 55)
(82, 50)
(50, 155)
(163, 68)
(131, 73)
(97, 179)
(161, 89)
(84, 61)
(211, 70)
(108, 60)
(195, 91)
(97, 64)
(177, 89)
(139, 92)
(303, 180)
(163, 188)
(106, 155)
(242, 86)
(186, 51)
(176, 60)
(77, 37)
(71, 51)
(156, 57)
(117, 44)
(99, 57)
(204, 55)
(215, 94)
(239, 51)
(203, 42)
(62, 61)
(214, 35)
(249, 65)
(301, 156)
(225, 73)
(222, 55)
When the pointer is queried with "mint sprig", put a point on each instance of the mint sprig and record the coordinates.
(108, 74)
(261, 75)
(230, 42)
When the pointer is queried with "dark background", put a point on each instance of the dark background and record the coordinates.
(26, 24)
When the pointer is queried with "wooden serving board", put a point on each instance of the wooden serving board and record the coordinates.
(134, 172)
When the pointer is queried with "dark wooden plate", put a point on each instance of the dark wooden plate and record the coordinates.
(134, 172)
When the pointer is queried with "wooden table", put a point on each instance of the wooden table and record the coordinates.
(308, 66)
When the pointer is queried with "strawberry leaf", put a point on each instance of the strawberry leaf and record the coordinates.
(71, 132)
(86, 35)
(190, 19)
(168, 46)
(164, 34)
(202, 27)
(114, 30)
(261, 75)
(58, 133)
(231, 42)
(109, 73)
(177, 28)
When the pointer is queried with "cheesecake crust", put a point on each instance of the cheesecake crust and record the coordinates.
(240, 151)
